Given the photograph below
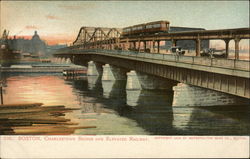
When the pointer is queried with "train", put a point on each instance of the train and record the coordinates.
(147, 28)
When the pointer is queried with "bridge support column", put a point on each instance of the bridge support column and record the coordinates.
(158, 46)
(92, 69)
(133, 81)
(153, 46)
(237, 48)
(109, 78)
(127, 45)
(133, 88)
(138, 80)
(134, 45)
(227, 46)
(56, 60)
(198, 47)
(107, 74)
(111, 73)
(187, 95)
(145, 45)
(139, 46)
(93, 72)
(61, 60)
(68, 61)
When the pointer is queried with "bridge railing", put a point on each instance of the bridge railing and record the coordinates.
(205, 61)
(242, 64)
(167, 57)
(185, 59)
(223, 62)
(202, 61)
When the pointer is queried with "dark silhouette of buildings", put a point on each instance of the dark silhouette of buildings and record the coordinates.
(35, 46)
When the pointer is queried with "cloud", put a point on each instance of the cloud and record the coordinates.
(31, 27)
(51, 17)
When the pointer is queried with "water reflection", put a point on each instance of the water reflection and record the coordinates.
(215, 120)
(92, 81)
(113, 110)
(133, 97)
(155, 119)
(107, 87)
(23, 88)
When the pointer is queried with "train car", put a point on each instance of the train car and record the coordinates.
(156, 27)
(126, 31)
(147, 28)
(137, 29)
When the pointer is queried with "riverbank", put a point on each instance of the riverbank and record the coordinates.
(36, 119)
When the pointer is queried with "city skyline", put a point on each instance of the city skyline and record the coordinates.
(60, 21)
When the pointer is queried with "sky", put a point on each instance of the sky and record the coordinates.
(60, 21)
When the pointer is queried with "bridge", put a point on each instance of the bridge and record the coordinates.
(195, 80)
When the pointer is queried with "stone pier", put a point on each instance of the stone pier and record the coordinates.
(107, 74)
(113, 73)
(138, 80)
(133, 88)
(68, 61)
(133, 81)
(93, 69)
(110, 76)
(187, 95)
(93, 72)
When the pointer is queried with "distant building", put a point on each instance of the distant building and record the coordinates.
(35, 46)
(38, 47)
(186, 44)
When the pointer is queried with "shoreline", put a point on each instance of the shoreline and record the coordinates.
(36, 119)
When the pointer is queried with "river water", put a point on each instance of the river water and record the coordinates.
(115, 111)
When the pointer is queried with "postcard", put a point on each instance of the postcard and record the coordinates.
(124, 79)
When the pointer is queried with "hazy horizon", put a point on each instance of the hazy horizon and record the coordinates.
(60, 21)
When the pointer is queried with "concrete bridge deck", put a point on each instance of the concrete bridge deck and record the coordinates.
(136, 58)
(224, 75)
